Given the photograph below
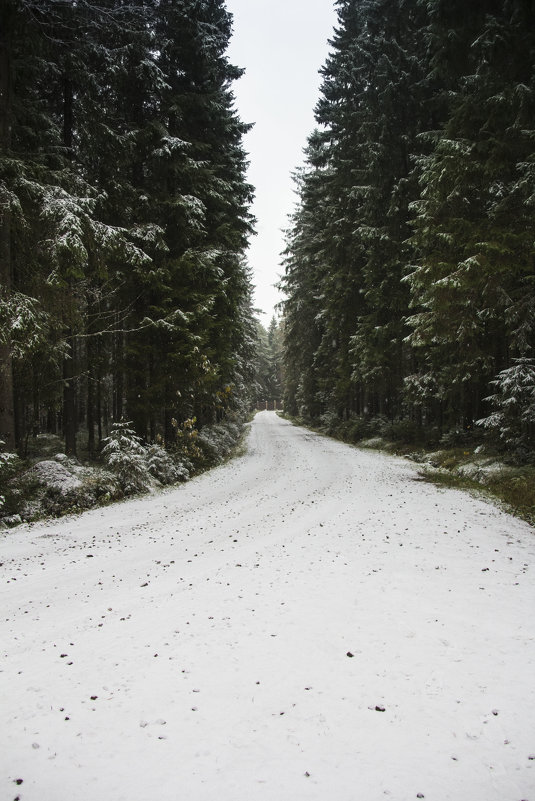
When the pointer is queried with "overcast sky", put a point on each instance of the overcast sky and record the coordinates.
(281, 44)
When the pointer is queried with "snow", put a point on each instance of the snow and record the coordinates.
(485, 471)
(236, 638)
(52, 474)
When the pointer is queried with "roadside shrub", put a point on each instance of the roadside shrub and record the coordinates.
(163, 467)
(56, 502)
(103, 485)
(330, 422)
(187, 446)
(8, 466)
(217, 441)
(456, 437)
(402, 431)
(97, 487)
(353, 430)
(512, 423)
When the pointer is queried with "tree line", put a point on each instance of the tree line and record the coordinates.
(124, 218)
(269, 374)
(409, 269)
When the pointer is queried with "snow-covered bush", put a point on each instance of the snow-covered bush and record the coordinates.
(163, 467)
(56, 502)
(329, 421)
(8, 463)
(513, 418)
(217, 441)
(52, 475)
(102, 484)
(126, 457)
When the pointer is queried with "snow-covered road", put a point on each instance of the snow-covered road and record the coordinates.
(308, 622)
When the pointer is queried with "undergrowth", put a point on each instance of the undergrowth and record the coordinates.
(515, 492)
(125, 470)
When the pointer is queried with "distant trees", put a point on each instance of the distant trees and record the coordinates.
(268, 384)
(124, 216)
(410, 259)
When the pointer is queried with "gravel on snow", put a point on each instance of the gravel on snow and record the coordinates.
(308, 622)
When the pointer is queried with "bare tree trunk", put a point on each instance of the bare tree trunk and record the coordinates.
(99, 393)
(7, 415)
(118, 383)
(90, 409)
(69, 398)
(69, 372)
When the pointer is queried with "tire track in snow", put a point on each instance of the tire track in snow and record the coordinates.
(195, 644)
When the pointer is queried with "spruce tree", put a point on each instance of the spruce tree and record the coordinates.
(124, 218)
(303, 320)
(473, 282)
(370, 114)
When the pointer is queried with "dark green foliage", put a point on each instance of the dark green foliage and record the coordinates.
(126, 457)
(123, 220)
(347, 247)
(410, 261)
(512, 420)
(268, 376)
(472, 284)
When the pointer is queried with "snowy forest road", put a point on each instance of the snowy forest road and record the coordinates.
(307, 622)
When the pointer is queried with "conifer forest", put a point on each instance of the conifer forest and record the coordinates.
(126, 311)
(125, 217)
(410, 257)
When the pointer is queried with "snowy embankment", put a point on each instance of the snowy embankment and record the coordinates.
(308, 622)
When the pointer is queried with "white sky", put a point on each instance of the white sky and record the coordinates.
(282, 44)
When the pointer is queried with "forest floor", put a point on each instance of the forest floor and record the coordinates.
(308, 622)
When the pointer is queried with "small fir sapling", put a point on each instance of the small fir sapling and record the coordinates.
(513, 418)
(125, 456)
(7, 463)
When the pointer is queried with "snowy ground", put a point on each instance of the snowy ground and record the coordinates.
(309, 622)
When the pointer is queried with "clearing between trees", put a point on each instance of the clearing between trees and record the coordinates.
(309, 621)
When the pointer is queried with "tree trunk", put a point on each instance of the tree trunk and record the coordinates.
(90, 407)
(7, 414)
(69, 398)
(152, 419)
(118, 382)
(68, 114)
(92, 380)
(69, 388)
(99, 393)
(36, 405)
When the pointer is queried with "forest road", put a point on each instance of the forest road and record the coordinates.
(307, 622)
